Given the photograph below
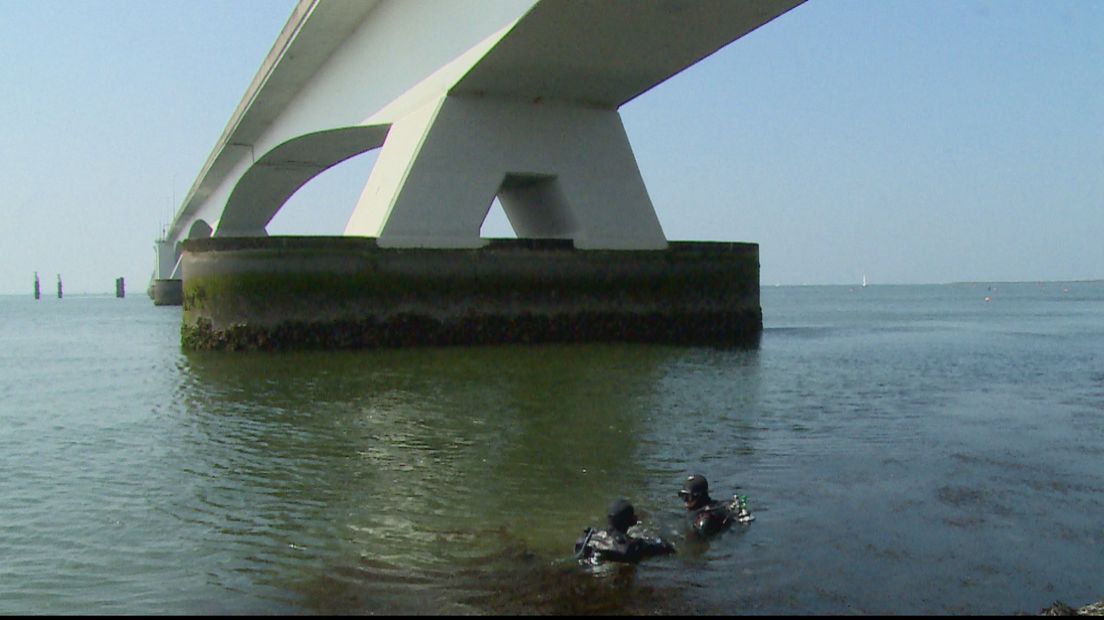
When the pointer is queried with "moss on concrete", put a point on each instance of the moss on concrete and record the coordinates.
(277, 293)
(723, 329)
(166, 292)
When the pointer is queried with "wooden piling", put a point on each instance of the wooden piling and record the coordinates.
(59, 286)
(37, 289)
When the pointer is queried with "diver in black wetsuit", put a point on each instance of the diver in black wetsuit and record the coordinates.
(708, 516)
(616, 543)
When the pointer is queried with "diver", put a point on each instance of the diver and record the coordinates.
(620, 542)
(708, 516)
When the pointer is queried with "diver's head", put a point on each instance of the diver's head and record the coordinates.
(695, 491)
(621, 515)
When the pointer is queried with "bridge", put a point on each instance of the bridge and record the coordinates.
(468, 101)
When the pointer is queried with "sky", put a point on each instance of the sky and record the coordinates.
(913, 142)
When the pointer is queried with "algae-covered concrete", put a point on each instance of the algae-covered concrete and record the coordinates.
(165, 292)
(346, 292)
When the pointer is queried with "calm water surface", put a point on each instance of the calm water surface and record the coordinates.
(906, 449)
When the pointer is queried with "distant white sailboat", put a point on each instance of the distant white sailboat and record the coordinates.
(864, 280)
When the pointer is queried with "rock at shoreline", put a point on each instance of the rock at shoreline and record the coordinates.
(1061, 609)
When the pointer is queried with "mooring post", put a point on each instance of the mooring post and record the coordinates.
(120, 288)
(59, 286)
(38, 292)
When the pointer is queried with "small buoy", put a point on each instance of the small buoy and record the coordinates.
(988, 298)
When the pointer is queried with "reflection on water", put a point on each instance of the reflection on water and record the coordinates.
(904, 450)
(509, 580)
(396, 469)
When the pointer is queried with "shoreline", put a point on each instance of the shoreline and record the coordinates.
(1061, 609)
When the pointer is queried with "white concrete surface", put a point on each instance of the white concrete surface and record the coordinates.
(470, 99)
(449, 161)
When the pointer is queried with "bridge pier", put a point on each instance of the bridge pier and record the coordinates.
(517, 99)
(167, 292)
(272, 293)
(166, 287)
(560, 171)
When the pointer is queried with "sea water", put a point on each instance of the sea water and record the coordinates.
(905, 449)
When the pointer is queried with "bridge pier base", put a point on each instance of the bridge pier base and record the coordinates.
(272, 293)
(167, 292)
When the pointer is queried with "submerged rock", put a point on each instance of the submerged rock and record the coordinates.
(1061, 609)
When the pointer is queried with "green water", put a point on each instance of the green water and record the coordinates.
(905, 449)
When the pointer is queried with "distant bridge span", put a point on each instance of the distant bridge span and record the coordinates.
(469, 100)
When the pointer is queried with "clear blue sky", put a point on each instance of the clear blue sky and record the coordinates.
(917, 142)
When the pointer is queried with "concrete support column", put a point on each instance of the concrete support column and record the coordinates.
(167, 257)
(563, 171)
(167, 286)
